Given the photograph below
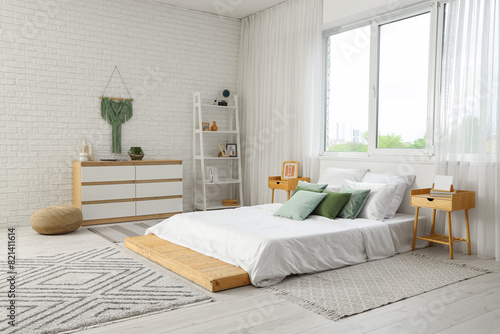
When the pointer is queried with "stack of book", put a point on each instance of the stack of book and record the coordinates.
(442, 193)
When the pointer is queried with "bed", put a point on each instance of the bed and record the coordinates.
(270, 248)
(267, 248)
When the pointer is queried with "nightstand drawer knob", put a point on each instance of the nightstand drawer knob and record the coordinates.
(277, 183)
(430, 199)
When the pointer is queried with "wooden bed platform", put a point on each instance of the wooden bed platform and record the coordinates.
(210, 273)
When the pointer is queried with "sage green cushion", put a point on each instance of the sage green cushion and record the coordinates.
(302, 185)
(301, 205)
(305, 189)
(311, 186)
(355, 204)
(331, 205)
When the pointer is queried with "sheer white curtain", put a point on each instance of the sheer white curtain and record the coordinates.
(280, 92)
(468, 142)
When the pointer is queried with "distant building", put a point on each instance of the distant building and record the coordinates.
(345, 133)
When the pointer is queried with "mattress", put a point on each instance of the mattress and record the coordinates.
(270, 248)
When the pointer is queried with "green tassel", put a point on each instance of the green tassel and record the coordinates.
(116, 113)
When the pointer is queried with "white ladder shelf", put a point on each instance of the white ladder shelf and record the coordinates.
(230, 187)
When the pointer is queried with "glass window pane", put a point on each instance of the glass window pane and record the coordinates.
(403, 83)
(348, 91)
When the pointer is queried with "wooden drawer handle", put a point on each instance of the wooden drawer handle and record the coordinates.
(277, 183)
(430, 199)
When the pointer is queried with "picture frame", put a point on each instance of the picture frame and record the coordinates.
(205, 126)
(232, 150)
(223, 150)
(289, 170)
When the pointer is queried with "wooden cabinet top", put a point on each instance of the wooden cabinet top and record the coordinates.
(126, 163)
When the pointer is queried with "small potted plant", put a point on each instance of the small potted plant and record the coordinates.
(136, 153)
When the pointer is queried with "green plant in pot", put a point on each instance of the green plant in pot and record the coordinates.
(136, 153)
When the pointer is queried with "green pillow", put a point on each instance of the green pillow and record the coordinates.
(301, 205)
(355, 204)
(302, 185)
(331, 205)
(305, 189)
(311, 186)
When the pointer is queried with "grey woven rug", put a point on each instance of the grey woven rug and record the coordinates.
(355, 289)
(116, 233)
(76, 290)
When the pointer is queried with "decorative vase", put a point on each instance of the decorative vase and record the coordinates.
(214, 127)
(135, 153)
(91, 153)
(84, 156)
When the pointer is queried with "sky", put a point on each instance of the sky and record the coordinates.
(403, 77)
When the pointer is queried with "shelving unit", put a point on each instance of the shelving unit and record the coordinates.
(209, 195)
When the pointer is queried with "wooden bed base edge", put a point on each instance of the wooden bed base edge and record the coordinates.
(212, 274)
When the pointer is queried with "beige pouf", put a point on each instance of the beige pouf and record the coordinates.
(57, 219)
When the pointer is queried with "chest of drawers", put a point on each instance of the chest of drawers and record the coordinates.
(116, 191)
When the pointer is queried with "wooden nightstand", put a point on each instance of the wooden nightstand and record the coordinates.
(275, 182)
(461, 200)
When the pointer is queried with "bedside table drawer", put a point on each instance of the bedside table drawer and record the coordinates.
(432, 203)
(284, 185)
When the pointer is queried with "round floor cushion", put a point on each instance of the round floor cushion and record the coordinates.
(57, 219)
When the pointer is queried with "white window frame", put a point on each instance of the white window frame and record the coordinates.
(435, 52)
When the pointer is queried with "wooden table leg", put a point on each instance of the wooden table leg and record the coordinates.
(415, 229)
(468, 231)
(288, 193)
(450, 238)
(432, 226)
(272, 196)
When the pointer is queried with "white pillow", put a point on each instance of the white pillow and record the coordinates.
(403, 182)
(379, 199)
(336, 176)
(334, 189)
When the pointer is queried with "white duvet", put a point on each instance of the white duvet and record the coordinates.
(270, 248)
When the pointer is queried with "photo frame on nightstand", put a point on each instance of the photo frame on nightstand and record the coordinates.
(289, 170)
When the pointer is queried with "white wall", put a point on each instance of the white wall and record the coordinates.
(56, 58)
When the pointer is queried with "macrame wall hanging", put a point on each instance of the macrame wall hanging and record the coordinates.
(116, 111)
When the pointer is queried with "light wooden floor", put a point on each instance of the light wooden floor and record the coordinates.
(471, 306)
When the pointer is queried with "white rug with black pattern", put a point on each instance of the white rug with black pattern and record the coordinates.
(350, 290)
(81, 289)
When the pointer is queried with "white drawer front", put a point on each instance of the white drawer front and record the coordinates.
(158, 172)
(108, 210)
(158, 206)
(108, 173)
(158, 189)
(108, 191)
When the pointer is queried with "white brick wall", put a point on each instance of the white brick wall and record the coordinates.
(56, 58)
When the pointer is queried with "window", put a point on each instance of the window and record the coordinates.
(403, 83)
(348, 86)
(380, 84)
